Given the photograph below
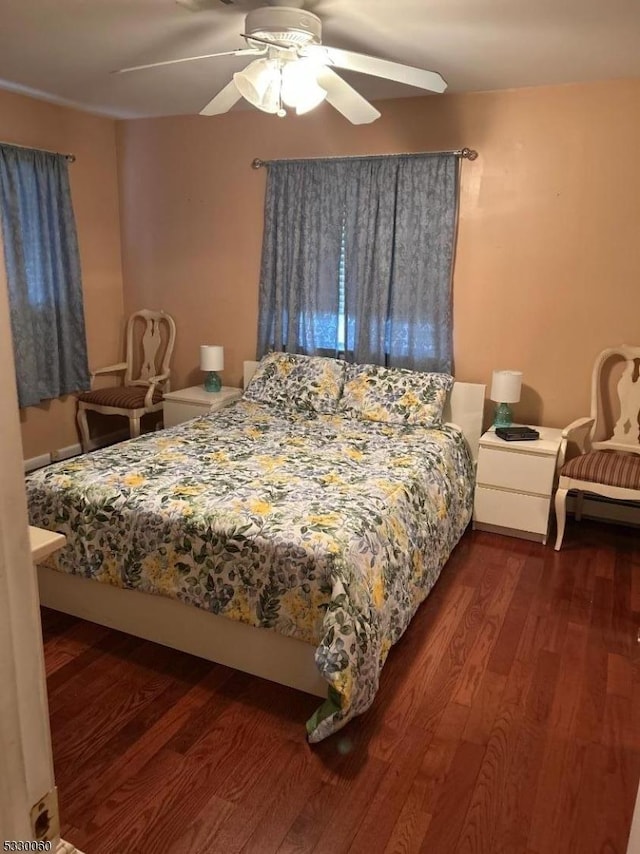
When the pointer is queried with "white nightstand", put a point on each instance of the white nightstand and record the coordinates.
(514, 484)
(191, 402)
(44, 543)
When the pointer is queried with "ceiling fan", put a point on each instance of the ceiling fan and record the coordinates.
(292, 68)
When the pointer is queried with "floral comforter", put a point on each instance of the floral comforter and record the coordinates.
(327, 529)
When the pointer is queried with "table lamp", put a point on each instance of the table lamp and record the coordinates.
(505, 389)
(212, 361)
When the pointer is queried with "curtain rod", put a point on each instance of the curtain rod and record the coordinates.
(466, 153)
(70, 157)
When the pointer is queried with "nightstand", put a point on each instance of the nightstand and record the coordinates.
(191, 402)
(514, 484)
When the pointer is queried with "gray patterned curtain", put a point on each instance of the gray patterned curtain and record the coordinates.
(43, 275)
(357, 259)
(299, 282)
(400, 229)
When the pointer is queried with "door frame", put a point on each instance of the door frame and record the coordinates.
(25, 738)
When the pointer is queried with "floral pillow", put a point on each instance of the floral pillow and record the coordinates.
(304, 382)
(395, 395)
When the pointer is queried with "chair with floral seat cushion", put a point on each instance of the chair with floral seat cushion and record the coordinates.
(608, 441)
(150, 339)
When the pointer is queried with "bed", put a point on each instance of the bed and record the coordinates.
(291, 542)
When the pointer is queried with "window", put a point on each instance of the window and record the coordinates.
(357, 259)
(331, 327)
(43, 275)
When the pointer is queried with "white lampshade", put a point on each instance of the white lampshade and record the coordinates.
(505, 386)
(211, 357)
(259, 84)
(300, 88)
(268, 83)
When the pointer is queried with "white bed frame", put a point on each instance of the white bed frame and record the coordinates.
(166, 621)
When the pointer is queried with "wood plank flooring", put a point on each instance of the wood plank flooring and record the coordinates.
(507, 721)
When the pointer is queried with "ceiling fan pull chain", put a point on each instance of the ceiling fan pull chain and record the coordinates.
(281, 110)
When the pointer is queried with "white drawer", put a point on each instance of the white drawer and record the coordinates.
(511, 510)
(516, 470)
(176, 412)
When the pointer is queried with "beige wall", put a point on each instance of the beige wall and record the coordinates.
(548, 263)
(94, 189)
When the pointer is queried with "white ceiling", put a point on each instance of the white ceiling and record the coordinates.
(64, 50)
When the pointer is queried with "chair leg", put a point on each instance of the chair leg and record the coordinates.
(578, 508)
(83, 426)
(134, 427)
(561, 515)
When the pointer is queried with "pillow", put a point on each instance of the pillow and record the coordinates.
(304, 382)
(395, 395)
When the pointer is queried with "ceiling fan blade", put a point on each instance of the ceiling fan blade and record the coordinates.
(223, 101)
(245, 51)
(351, 61)
(345, 98)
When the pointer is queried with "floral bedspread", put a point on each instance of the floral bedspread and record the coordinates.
(324, 528)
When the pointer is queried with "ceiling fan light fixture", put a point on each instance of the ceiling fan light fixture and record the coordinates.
(311, 101)
(268, 83)
(300, 87)
(296, 68)
(259, 84)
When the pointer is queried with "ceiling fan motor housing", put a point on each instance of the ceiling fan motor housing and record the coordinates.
(284, 24)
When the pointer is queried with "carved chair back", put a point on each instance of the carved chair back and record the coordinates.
(149, 355)
(615, 400)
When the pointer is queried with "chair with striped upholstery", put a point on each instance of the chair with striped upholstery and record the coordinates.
(149, 356)
(608, 441)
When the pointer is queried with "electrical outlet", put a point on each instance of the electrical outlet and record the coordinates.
(45, 819)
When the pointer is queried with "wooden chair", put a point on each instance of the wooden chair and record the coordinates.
(135, 397)
(609, 460)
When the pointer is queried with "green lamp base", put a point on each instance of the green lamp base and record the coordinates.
(503, 416)
(212, 381)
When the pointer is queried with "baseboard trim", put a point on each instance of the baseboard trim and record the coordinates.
(70, 451)
(66, 453)
(36, 463)
(605, 510)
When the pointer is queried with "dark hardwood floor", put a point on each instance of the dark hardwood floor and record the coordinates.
(507, 721)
